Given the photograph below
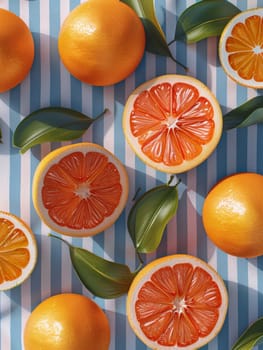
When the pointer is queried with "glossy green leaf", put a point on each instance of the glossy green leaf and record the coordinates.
(49, 125)
(249, 113)
(103, 278)
(204, 19)
(252, 336)
(155, 39)
(149, 216)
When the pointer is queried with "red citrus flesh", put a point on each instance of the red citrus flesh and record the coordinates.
(81, 190)
(172, 122)
(178, 305)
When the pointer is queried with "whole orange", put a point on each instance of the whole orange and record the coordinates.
(233, 214)
(16, 50)
(67, 321)
(101, 42)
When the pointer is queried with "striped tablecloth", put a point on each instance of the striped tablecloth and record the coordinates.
(49, 84)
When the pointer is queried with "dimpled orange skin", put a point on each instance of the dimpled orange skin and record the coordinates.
(16, 50)
(101, 42)
(67, 322)
(233, 215)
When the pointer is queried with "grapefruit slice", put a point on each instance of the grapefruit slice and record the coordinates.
(18, 251)
(172, 122)
(241, 48)
(177, 302)
(80, 189)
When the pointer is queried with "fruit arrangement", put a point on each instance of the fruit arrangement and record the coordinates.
(131, 206)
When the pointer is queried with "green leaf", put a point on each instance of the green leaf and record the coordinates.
(49, 125)
(251, 337)
(204, 19)
(249, 113)
(149, 216)
(155, 39)
(103, 278)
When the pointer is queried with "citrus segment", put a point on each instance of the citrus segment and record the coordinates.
(101, 42)
(18, 251)
(16, 50)
(232, 214)
(177, 302)
(80, 189)
(172, 122)
(241, 48)
(67, 321)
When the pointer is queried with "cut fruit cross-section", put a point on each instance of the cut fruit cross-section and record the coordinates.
(241, 48)
(18, 251)
(177, 302)
(80, 189)
(172, 122)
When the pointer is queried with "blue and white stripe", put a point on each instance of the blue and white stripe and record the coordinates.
(49, 84)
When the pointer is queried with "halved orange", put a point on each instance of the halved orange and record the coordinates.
(172, 122)
(80, 189)
(18, 251)
(177, 302)
(241, 48)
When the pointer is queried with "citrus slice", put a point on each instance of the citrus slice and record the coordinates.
(177, 302)
(172, 122)
(241, 48)
(80, 189)
(18, 251)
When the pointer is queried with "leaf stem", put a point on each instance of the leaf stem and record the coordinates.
(138, 269)
(177, 62)
(101, 114)
(178, 182)
(171, 42)
(170, 181)
(136, 194)
(140, 258)
(180, 64)
(60, 239)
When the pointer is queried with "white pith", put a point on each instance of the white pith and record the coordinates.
(83, 190)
